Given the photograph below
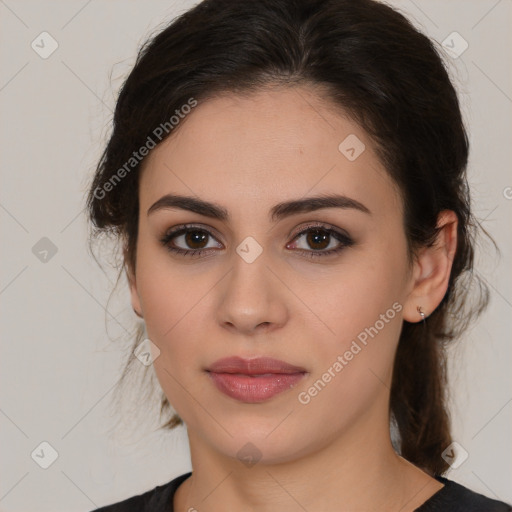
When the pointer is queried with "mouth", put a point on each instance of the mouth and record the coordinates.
(254, 380)
(254, 366)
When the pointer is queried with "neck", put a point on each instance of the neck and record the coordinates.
(358, 470)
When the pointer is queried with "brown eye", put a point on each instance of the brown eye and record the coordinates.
(195, 239)
(321, 241)
(318, 239)
(187, 240)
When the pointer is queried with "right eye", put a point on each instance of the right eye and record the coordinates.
(192, 237)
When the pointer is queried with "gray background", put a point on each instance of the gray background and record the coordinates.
(63, 341)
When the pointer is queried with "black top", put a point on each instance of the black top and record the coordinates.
(453, 497)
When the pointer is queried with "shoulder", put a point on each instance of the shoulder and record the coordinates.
(158, 499)
(454, 497)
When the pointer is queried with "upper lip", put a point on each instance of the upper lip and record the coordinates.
(255, 366)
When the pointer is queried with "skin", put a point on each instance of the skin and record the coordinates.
(248, 153)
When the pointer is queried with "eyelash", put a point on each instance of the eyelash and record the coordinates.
(345, 241)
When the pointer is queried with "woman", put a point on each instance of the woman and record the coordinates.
(287, 180)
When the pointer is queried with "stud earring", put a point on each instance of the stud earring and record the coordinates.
(420, 311)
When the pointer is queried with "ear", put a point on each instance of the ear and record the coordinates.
(432, 269)
(132, 283)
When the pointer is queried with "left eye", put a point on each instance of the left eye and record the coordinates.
(319, 238)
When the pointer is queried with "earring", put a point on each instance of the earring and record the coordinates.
(420, 311)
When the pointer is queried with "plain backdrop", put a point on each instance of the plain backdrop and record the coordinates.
(63, 341)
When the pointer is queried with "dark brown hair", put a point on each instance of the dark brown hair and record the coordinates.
(366, 58)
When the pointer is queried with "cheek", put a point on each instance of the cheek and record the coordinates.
(168, 305)
(366, 325)
(356, 296)
(363, 311)
(175, 299)
(161, 286)
(353, 367)
(170, 312)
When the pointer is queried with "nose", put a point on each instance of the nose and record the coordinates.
(253, 298)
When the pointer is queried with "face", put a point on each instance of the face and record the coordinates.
(319, 288)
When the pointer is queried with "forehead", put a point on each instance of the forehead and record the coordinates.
(264, 147)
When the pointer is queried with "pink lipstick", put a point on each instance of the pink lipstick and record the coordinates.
(254, 380)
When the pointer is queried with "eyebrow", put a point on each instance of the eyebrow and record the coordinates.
(278, 212)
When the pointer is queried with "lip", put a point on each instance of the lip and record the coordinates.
(254, 380)
(254, 366)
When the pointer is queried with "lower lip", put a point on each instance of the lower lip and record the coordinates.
(257, 388)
